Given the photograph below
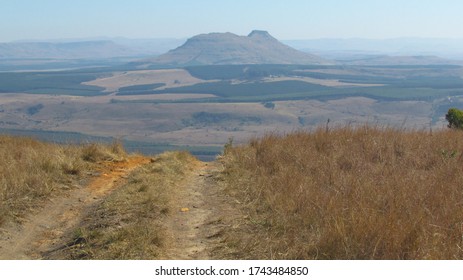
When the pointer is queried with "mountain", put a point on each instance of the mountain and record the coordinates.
(259, 47)
(66, 50)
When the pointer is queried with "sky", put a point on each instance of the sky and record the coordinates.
(284, 19)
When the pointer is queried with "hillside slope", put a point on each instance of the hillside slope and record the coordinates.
(348, 193)
(96, 202)
(341, 193)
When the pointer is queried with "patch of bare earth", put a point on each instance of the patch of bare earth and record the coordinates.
(322, 82)
(169, 77)
(43, 231)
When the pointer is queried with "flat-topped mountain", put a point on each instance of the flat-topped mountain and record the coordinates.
(259, 47)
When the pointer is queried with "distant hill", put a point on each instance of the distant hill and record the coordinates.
(66, 50)
(259, 47)
(401, 60)
(443, 47)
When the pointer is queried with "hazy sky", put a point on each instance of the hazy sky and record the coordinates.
(285, 19)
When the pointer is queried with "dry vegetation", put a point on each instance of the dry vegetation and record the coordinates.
(130, 223)
(349, 193)
(344, 193)
(169, 77)
(33, 171)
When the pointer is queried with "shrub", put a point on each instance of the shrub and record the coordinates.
(455, 118)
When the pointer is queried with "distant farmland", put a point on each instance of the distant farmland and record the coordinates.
(202, 107)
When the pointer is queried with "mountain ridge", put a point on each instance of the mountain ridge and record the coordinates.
(63, 50)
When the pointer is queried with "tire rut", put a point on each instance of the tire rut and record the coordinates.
(203, 214)
(44, 231)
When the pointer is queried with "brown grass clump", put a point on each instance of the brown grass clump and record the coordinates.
(97, 152)
(32, 171)
(129, 224)
(349, 193)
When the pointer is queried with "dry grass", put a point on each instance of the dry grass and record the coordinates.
(97, 152)
(129, 224)
(349, 193)
(32, 171)
(170, 77)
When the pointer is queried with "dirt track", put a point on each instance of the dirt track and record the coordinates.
(44, 231)
(195, 228)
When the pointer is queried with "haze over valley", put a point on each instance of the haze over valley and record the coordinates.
(215, 87)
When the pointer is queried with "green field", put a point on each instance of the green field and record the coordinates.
(400, 82)
(59, 82)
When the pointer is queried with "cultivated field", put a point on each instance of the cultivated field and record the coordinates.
(168, 78)
(207, 105)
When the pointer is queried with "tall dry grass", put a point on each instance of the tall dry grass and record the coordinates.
(349, 193)
(32, 171)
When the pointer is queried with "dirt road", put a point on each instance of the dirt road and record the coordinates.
(202, 214)
(44, 230)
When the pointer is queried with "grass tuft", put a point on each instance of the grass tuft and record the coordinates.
(96, 152)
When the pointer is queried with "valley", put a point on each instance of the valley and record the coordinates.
(205, 106)
(171, 102)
